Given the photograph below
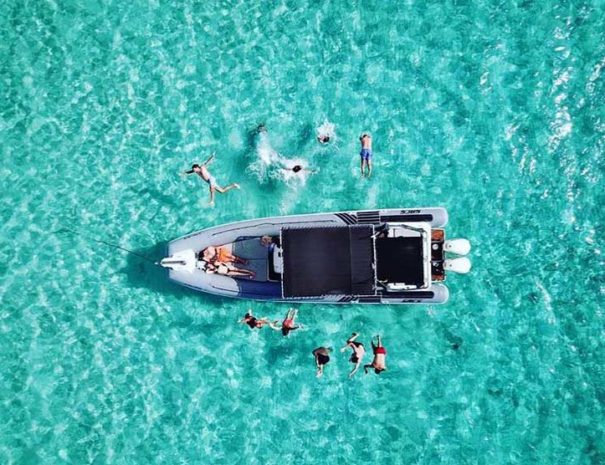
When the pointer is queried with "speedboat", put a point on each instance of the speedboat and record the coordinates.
(389, 256)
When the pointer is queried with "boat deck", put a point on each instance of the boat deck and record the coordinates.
(252, 250)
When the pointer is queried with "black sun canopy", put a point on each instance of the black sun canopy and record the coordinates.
(328, 261)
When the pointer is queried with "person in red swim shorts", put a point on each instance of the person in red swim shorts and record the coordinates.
(380, 355)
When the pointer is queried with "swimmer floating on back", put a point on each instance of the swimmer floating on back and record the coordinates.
(203, 173)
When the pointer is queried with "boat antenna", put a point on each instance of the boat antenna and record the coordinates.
(101, 241)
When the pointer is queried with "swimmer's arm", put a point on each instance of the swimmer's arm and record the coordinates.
(345, 347)
(210, 158)
(365, 367)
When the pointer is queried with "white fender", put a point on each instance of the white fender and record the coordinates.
(461, 265)
(181, 261)
(457, 246)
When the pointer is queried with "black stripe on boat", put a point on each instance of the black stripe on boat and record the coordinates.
(409, 295)
(370, 299)
(421, 217)
(368, 217)
(347, 218)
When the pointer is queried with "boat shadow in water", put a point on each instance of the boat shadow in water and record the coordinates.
(142, 273)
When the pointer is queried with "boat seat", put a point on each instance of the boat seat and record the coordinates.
(276, 263)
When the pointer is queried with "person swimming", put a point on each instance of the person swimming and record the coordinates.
(326, 132)
(322, 357)
(380, 354)
(366, 153)
(299, 168)
(258, 323)
(358, 352)
(288, 323)
(202, 172)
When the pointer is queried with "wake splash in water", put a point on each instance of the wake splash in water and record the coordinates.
(328, 130)
(270, 165)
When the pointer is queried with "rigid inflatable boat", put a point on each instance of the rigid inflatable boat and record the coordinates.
(389, 256)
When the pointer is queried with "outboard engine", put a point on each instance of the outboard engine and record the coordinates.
(461, 265)
(457, 246)
(184, 260)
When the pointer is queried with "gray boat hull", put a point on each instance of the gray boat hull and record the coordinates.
(246, 234)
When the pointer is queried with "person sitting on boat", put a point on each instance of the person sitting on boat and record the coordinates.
(270, 241)
(358, 352)
(221, 254)
(366, 153)
(254, 322)
(202, 172)
(322, 357)
(380, 354)
(288, 323)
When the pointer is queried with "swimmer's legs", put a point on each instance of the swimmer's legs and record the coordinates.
(222, 190)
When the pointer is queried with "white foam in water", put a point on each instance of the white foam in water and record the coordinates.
(266, 157)
(327, 129)
(269, 164)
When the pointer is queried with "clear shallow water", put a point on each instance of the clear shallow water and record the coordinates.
(494, 111)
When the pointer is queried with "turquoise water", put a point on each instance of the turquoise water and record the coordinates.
(491, 109)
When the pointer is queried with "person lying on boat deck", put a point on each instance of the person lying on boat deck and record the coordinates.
(322, 357)
(358, 352)
(380, 354)
(254, 322)
(288, 324)
(202, 172)
(227, 269)
(366, 153)
(213, 254)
